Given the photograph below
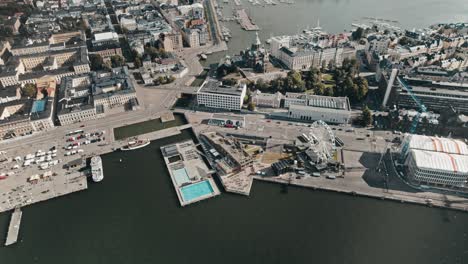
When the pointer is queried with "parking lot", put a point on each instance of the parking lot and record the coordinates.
(41, 171)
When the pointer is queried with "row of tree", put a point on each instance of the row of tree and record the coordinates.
(163, 80)
(293, 82)
(349, 83)
(345, 82)
(98, 63)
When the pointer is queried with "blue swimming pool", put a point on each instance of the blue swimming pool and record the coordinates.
(193, 191)
(38, 106)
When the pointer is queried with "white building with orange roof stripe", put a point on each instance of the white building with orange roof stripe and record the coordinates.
(437, 168)
(436, 144)
(440, 162)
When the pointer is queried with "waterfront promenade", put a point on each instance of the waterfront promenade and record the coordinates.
(354, 186)
(19, 191)
(361, 160)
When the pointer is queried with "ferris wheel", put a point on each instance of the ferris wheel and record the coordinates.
(322, 141)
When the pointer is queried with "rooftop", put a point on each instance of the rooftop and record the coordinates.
(216, 87)
(338, 103)
(321, 109)
(440, 161)
(74, 97)
(9, 91)
(341, 103)
(445, 145)
(439, 92)
(116, 81)
(21, 114)
(105, 36)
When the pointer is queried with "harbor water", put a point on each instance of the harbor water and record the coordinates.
(335, 16)
(133, 216)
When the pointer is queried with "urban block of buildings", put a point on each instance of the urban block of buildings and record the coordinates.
(162, 67)
(89, 96)
(61, 55)
(306, 50)
(20, 115)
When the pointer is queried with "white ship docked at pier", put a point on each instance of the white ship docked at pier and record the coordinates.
(97, 173)
(136, 144)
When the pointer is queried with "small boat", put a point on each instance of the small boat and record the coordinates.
(97, 173)
(136, 144)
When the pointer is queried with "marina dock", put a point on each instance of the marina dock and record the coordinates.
(13, 229)
(245, 21)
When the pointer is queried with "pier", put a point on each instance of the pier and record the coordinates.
(13, 229)
(245, 21)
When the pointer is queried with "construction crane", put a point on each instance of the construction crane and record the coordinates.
(416, 119)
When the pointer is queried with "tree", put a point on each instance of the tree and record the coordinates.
(230, 81)
(246, 99)
(366, 116)
(137, 62)
(312, 78)
(251, 106)
(362, 89)
(350, 66)
(117, 61)
(404, 41)
(107, 65)
(330, 65)
(6, 32)
(319, 89)
(425, 120)
(328, 91)
(96, 62)
(261, 85)
(29, 90)
(357, 34)
(294, 82)
(23, 31)
(156, 53)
